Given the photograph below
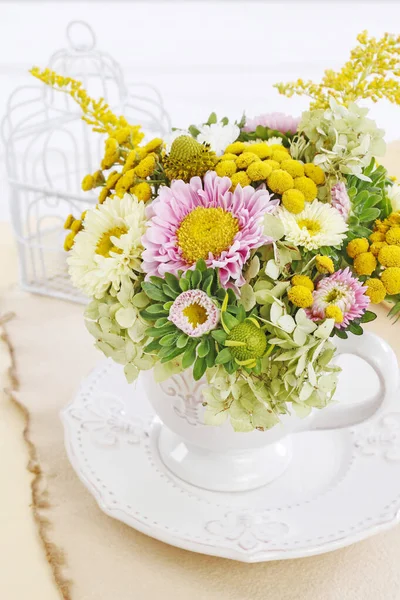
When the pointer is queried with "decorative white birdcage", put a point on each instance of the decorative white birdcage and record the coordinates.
(48, 150)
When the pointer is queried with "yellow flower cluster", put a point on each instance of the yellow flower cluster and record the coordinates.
(300, 294)
(75, 226)
(258, 162)
(383, 256)
(373, 72)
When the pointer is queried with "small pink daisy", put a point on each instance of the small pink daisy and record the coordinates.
(193, 221)
(342, 290)
(340, 199)
(276, 120)
(194, 313)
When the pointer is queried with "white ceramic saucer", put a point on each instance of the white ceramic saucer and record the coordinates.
(341, 487)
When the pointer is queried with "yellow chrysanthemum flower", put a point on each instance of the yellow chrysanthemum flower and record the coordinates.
(142, 191)
(391, 280)
(280, 155)
(377, 236)
(365, 263)
(259, 171)
(300, 296)
(307, 186)
(393, 236)
(236, 148)
(245, 159)
(389, 256)
(87, 183)
(226, 168)
(279, 181)
(303, 280)
(376, 247)
(324, 264)
(375, 290)
(239, 177)
(293, 167)
(315, 173)
(357, 246)
(261, 149)
(333, 312)
(293, 201)
(272, 163)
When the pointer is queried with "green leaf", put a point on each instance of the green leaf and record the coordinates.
(154, 308)
(341, 333)
(157, 281)
(189, 356)
(161, 322)
(225, 121)
(368, 316)
(356, 329)
(170, 293)
(173, 282)
(182, 340)
(223, 356)
(212, 119)
(184, 284)
(370, 214)
(154, 346)
(219, 335)
(199, 368)
(173, 354)
(194, 131)
(203, 348)
(152, 291)
(273, 227)
(169, 339)
(229, 320)
(157, 332)
(206, 286)
(210, 358)
(196, 279)
(201, 265)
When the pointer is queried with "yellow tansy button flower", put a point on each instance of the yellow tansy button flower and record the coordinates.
(393, 236)
(279, 181)
(375, 290)
(365, 263)
(87, 183)
(377, 236)
(261, 149)
(240, 177)
(315, 173)
(142, 191)
(391, 280)
(324, 264)
(279, 155)
(293, 167)
(307, 186)
(245, 159)
(389, 256)
(376, 247)
(226, 168)
(259, 171)
(293, 201)
(303, 280)
(333, 312)
(300, 296)
(272, 163)
(357, 246)
(236, 148)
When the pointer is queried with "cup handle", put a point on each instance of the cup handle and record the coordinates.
(375, 351)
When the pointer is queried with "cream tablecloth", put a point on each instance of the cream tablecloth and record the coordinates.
(104, 559)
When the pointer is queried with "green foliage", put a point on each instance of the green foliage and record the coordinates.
(265, 133)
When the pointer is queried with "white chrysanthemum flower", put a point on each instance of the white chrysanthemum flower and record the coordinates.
(218, 136)
(393, 193)
(317, 225)
(275, 141)
(107, 252)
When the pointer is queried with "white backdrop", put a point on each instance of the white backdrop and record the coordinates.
(203, 56)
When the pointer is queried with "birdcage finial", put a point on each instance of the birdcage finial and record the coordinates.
(81, 36)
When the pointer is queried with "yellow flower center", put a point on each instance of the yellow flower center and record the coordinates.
(313, 227)
(206, 230)
(195, 314)
(105, 245)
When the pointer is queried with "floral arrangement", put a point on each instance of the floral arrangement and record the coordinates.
(240, 250)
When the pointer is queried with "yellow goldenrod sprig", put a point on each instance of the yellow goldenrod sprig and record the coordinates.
(373, 72)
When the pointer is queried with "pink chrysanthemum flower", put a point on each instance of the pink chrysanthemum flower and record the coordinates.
(276, 120)
(343, 291)
(194, 313)
(189, 222)
(340, 199)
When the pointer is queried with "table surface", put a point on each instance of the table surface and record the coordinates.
(16, 518)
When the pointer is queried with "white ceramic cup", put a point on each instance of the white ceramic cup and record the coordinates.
(220, 459)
